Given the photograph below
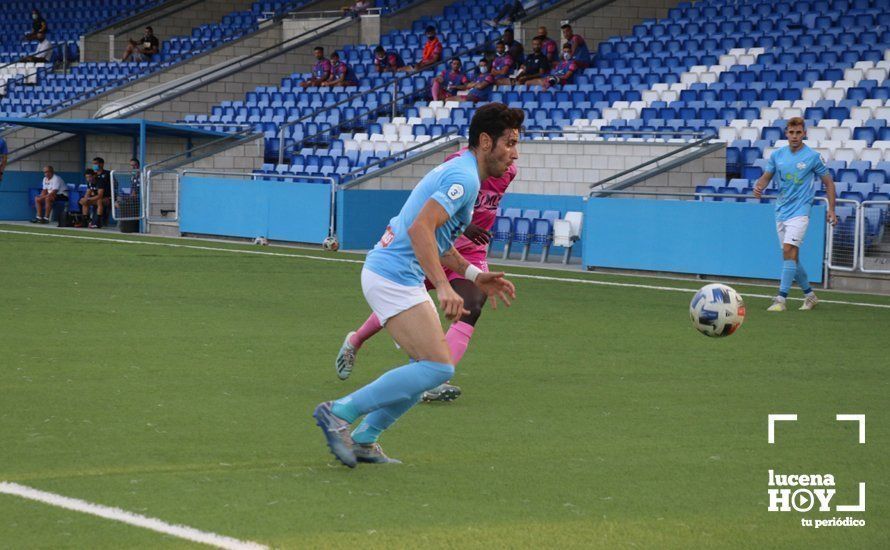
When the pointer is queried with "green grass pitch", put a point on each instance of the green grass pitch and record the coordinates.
(178, 383)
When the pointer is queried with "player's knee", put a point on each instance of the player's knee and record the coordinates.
(439, 373)
(474, 306)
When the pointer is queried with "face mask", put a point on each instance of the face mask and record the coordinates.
(483, 70)
(501, 54)
(95, 167)
(33, 16)
(430, 37)
(566, 56)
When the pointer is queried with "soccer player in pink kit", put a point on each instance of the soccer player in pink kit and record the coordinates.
(472, 245)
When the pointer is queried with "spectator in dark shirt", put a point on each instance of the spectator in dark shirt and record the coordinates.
(448, 81)
(563, 73)
(357, 9)
(128, 204)
(536, 63)
(4, 152)
(143, 49)
(99, 195)
(321, 71)
(580, 53)
(432, 50)
(502, 64)
(341, 73)
(511, 11)
(514, 48)
(481, 86)
(387, 60)
(38, 25)
(548, 45)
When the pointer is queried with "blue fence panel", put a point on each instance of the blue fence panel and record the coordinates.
(712, 238)
(284, 211)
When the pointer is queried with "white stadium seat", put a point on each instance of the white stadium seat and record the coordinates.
(860, 113)
(847, 155)
(751, 134)
(818, 134)
(876, 74)
(728, 134)
(854, 74)
(873, 156)
(840, 134)
(739, 123)
(812, 94)
(828, 123)
(830, 144)
(769, 114)
(856, 145)
(823, 84)
(709, 77)
(835, 94)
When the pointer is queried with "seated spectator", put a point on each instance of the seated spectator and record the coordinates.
(502, 64)
(548, 45)
(580, 53)
(54, 189)
(357, 9)
(341, 73)
(536, 64)
(480, 88)
(43, 53)
(448, 81)
(563, 73)
(321, 71)
(38, 25)
(129, 204)
(144, 49)
(514, 48)
(98, 192)
(4, 152)
(432, 50)
(387, 60)
(510, 12)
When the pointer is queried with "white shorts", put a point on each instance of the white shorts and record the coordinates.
(387, 299)
(792, 231)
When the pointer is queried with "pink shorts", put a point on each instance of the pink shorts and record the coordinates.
(477, 259)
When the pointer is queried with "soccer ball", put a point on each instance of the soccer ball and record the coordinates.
(717, 310)
(331, 243)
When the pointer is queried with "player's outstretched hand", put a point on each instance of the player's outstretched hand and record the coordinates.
(477, 235)
(831, 217)
(451, 303)
(495, 286)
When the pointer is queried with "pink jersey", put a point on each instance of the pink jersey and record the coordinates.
(485, 210)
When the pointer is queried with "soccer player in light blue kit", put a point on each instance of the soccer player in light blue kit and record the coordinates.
(416, 244)
(795, 166)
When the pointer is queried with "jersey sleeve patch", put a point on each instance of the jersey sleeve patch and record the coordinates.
(456, 191)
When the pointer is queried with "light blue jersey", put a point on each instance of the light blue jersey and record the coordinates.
(454, 185)
(795, 172)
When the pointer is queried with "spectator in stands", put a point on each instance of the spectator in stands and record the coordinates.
(144, 49)
(514, 48)
(432, 50)
(357, 9)
(448, 81)
(321, 71)
(536, 64)
(502, 64)
(387, 60)
(548, 45)
(4, 152)
(510, 12)
(43, 53)
(563, 73)
(580, 53)
(38, 25)
(54, 189)
(480, 88)
(341, 73)
(100, 197)
(128, 204)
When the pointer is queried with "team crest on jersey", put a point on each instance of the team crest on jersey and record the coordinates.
(456, 191)
(801, 165)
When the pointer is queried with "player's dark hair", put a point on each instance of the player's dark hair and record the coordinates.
(500, 43)
(99, 160)
(134, 159)
(318, 49)
(566, 26)
(493, 119)
(430, 29)
(89, 172)
(335, 54)
(379, 49)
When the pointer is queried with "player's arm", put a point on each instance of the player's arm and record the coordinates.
(423, 240)
(492, 284)
(761, 184)
(828, 182)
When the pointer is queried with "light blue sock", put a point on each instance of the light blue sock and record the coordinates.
(789, 268)
(396, 386)
(801, 279)
(373, 425)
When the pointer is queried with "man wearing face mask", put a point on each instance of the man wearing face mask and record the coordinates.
(448, 81)
(480, 87)
(38, 26)
(502, 64)
(432, 50)
(536, 64)
(563, 73)
(103, 186)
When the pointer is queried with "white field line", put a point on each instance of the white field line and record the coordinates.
(350, 261)
(116, 514)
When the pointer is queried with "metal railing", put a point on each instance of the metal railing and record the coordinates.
(874, 257)
(844, 240)
(121, 202)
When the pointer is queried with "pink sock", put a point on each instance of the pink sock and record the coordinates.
(371, 327)
(458, 338)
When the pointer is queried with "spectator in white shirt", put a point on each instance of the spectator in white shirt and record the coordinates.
(54, 189)
(43, 53)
